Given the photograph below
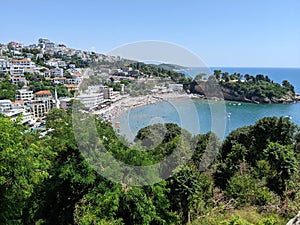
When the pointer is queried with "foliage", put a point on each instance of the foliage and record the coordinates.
(253, 144)
(158, 71)
(50, 180)
(7, 90)
(24, 164)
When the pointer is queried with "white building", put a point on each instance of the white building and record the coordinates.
(4, 65)
(16, 71)
(23, 63)
(5, 105)
(14, 110)
(61, 64)
(24, 95)
(58, 72)
(18, 79)
(176, 87)
(76, 78)
(50, 46)
(43, 41)
(52, 62)
(47, 74)
(91, 100)
(42, 103)
(59, 80)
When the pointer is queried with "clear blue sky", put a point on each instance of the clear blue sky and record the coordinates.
(250, 33)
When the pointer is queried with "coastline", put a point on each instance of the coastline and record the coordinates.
(114, 111)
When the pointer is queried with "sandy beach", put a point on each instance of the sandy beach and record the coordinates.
(112, 112)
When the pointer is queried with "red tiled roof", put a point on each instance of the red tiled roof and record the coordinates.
(76, 75)
(18, 101)
(71, 86)
(45, 92)
(21, 60)
(30, 68)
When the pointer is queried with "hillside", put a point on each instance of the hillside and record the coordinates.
(247, 88)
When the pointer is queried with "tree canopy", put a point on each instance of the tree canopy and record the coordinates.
(48, 180)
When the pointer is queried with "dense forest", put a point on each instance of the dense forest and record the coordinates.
(252, 177)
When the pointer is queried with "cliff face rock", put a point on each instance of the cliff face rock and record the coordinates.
(220, 92)
(295, 220)
(232, 95)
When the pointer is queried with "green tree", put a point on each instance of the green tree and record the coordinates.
(24, 164)
(288, 86)
(283, 163)
(217, 74)
(7, 90)
(190, 192)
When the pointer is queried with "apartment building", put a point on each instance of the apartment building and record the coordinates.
(23, 63)
(24, 95)
(42, 103)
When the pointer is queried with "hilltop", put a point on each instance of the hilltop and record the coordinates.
(247, 88)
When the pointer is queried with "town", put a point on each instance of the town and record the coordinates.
(46, 75)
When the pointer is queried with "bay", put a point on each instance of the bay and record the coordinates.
(200, 116)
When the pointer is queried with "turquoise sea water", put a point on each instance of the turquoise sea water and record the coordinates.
(198, 116)
(201, 116)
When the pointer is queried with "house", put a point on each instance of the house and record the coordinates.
(24, 95)
(15, 45)
(71, 87)
(176, 87)
(126, 69)
(16, 71)
(31, 70)
(59, 80)
(17, 79)
(61, 64)
(76, 78)
(18, 104)
(23, 63)
(52, 62)
(50, 46)
(42, 103)
(14, 110)
(4, 65)
(5, 105)
(42, 95)
(43, 40)
(47, 73)
(58, 72)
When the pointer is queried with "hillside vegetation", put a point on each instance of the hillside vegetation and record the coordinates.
(252, 177)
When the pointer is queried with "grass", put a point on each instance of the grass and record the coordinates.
(246, 216)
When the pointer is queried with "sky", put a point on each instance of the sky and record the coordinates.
(237, 33)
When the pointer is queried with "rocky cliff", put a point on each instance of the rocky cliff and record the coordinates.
(213, 90)
(231, 95)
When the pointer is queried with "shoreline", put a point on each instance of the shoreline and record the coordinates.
(116, 109)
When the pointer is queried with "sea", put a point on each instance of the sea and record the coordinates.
(200, 116)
